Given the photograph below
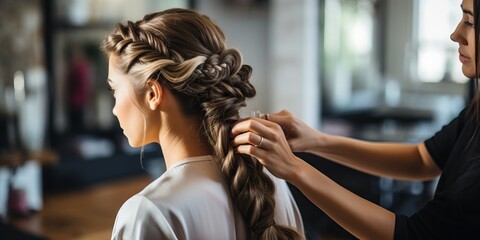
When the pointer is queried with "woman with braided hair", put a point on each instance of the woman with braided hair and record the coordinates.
(176, 83)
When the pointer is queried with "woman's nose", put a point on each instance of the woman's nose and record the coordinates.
(457, 35)
(454, 35)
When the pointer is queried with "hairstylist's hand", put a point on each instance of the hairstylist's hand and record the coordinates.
(266, 141)
(300, 136)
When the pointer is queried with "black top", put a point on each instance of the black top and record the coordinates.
(454, 211)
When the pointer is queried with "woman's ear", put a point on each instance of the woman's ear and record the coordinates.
(154, 94)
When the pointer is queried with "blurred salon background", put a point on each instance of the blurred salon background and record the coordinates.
(379, 70)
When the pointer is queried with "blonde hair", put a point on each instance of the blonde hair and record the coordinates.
(186, 53)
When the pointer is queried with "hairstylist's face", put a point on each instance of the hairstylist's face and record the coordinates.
(127, 112)
(464, 35)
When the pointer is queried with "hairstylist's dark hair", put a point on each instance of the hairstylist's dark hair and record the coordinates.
(474, 106)
(186, 53)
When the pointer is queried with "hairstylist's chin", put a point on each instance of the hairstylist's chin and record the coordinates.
(468, 73)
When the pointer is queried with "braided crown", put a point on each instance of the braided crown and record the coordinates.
(149, 53)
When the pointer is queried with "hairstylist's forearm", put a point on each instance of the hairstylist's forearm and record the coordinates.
(358, 216)
(396, 160)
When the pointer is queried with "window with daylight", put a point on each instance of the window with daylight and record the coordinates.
(350, 66)
(435, 56)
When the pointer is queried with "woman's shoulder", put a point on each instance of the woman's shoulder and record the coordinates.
(139, 218)
(136, 206)
(185, 179)
(185, 189)
(179, 197)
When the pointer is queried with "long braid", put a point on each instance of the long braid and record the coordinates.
(190, 58)
(251, 189)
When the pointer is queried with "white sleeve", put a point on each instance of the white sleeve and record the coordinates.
(139, 218)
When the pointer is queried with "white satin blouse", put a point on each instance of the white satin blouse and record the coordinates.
(191, 201)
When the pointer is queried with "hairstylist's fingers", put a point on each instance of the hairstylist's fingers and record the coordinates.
(267, 123)
(251, 139)
(252, 151)
(285, 119)
(281, 117)
(241, 126)
(256, 125)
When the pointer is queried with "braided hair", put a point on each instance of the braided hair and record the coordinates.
(186, 53)
(476, 96)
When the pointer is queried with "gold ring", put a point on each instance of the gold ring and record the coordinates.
(260, 143)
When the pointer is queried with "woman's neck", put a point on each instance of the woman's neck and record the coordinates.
(181, 139)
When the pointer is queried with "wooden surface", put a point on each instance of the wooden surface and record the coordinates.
(15, 158)
(84, 214)
(10, 159)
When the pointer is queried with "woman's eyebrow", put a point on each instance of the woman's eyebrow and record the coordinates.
(466, 10)
(109, 81)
